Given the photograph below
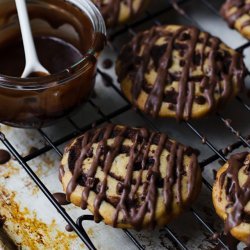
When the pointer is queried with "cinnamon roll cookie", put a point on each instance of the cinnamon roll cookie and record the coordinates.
(116, 12)
(237, 15)
(130, 177)
(231, 196)
(178, 71)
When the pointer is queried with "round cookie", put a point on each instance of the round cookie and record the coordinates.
(237, 15)
(178, 71)
(116, 12)
(231, 196)
(130, 177)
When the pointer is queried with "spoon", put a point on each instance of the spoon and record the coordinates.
(33, 68)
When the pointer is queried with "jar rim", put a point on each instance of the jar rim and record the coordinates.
(65, 75)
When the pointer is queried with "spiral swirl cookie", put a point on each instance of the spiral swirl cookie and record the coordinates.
(237, 15)
(116, 12)
(231, 196)
(130, 177)
(177, 71)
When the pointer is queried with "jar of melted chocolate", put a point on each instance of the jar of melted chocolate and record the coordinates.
(68, 35)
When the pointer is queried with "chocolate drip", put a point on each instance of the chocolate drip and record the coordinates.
(111, 10)
(155, 98)
(61, 173)
(107, 63)
(242, 8)
(4, 156)
(132, 206)
(61, 198)
(238, 195)
(182, 98)
(143, 55)
(69, 228)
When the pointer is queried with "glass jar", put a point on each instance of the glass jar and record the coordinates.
(37, 102)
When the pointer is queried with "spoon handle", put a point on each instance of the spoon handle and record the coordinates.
(28, 41)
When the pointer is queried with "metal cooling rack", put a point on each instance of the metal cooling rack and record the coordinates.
(155, 17)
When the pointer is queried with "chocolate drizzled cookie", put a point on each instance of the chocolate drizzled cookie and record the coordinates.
(237, 15)
(130, 177)
(178, 71)
(119, 11)
(231, 196)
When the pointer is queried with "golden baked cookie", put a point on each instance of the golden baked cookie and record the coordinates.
(178, 71)
(116, 12)
(231, 196)
(237, 15)
(130, 177)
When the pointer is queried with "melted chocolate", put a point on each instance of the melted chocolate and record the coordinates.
(127, 202)
(200, 100)
(223, 67)
(238, 195)
(111, 10)
(54, 54)
(64, 34)
(242, 8)
(61, 173)
(107, 63)
(61, 199)
(69, 228)
(4, 156)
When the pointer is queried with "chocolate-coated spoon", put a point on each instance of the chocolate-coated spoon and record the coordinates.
(32, 66)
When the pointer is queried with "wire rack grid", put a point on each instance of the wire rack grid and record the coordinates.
(150, 18)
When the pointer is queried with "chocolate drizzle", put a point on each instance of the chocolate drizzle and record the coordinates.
(237, 194)
(194, 51)
(111, 10)
(132, 204)
(242, 8)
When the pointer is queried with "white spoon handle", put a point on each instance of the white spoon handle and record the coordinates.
(32, 61)
(28, 42)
